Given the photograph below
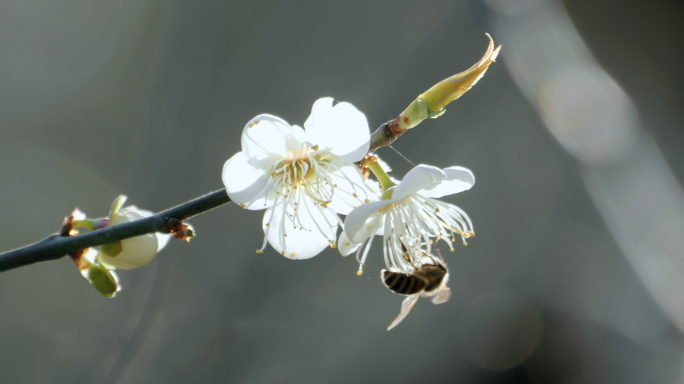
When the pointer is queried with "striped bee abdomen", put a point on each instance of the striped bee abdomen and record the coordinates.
(402, 283)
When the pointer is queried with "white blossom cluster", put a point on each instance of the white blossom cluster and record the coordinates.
(305, 177)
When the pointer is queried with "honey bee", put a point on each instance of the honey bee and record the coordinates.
(427, 280)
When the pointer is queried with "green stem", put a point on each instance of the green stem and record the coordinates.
(384, 179)
(86, 224)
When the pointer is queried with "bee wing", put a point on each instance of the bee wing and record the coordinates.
(442, 296)
(406, 306)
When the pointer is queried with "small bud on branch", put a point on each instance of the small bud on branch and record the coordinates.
(432, 102)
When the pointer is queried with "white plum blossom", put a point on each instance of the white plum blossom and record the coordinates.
(410, 219)
(303, 177)
(136, 251)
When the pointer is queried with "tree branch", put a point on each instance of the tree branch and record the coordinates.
(57, 246)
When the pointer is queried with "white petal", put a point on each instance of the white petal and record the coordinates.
(264, 140)
(162, 240)
(244, 183)
(341, 130)
(305, 242)
(350, 181)
(458, 179)
(345, 245)
(355, 225)
(422, 177)
(295, 139)
(135, 252)
(78, 215)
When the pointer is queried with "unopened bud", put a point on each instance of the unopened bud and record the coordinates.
(434, 100)
(133, 252)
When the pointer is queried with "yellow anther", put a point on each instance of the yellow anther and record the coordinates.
(333, 246)
(335, 185)
(345, 255)
(359, 273)
(292, 254)
(436, 210)
(282, 253)
(355, 195)
(347, 243)
(451, 250)
(464, 243)
(242, 205)
(260, 251)
(366, 201)
(268, 225)
(285, 235)
(314, 148)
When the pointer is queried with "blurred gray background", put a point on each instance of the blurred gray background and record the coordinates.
(575, 137)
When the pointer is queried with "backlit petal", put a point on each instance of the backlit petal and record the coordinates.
(306, 240)
(341, 130)
(356, 225)
(422, 177)
(246, 184)
(264, 140)
(458, 179)
(349, 182)
(345, 245)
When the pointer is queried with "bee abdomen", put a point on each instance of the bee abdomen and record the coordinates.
(401, 283)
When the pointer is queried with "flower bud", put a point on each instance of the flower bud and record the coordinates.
(133, 252)
(434, 100)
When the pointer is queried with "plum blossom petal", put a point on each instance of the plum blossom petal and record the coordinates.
(358, 219)
(162, 240)
(264, 137)
(352, 189)
(341, 130)
(422, 177)
(458, 179)
(345, 245)
(299, 233)
(245, 184)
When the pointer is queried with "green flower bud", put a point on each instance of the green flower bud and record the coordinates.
(434, 100)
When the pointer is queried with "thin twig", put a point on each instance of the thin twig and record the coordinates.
(385, 134)
(56, 246)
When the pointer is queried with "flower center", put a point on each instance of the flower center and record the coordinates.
(297, 169)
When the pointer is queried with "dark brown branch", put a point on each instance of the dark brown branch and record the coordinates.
(56, 246)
